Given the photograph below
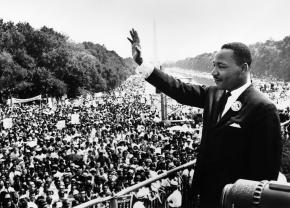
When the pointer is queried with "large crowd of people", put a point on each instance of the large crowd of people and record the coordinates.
(116, 141)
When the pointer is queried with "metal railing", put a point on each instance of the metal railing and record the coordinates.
(285, 123)
(124, 199)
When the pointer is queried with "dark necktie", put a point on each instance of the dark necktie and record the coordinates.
(222, 103)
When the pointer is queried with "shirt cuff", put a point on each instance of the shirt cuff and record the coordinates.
(145, 69)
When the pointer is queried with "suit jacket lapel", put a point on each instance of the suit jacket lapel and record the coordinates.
(215, 107)
(230, 113)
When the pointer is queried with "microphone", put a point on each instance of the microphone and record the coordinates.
(255, 194)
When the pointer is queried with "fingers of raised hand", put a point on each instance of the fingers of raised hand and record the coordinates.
(134, 36)
(131, 41)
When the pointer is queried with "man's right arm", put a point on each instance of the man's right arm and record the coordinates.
(187, 94)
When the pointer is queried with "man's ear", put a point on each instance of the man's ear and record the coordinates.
(245, 67)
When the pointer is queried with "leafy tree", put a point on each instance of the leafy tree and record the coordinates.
(43, 61)
(270, 59)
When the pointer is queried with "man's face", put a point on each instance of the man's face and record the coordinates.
(102, 170)
(32, 197)
(226, 73)
(66, 181)
(7, 184)
(31, 186)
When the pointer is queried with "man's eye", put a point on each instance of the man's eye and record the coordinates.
(219, 65)
(222, 66)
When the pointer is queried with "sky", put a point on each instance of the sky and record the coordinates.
(183, 28)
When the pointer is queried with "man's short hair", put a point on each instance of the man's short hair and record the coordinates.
(242, 52)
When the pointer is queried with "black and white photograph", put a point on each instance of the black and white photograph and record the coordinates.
(144, 103)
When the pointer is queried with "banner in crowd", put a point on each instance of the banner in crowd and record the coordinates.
(48, 111)
(75, 118)
(32, 143)
(119, 101)
(7, 123)
(140, 128)
(50, 104)
(94, 103)
(16, 100)
(143, 100)
(98, 94)
(64, 97)
(101, 101)
(9, 102)
(88, 104)
(60, 124)
(89, 97)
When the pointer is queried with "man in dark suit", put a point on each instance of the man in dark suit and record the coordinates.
(241, 136)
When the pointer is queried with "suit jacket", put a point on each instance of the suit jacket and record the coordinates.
(243, 144)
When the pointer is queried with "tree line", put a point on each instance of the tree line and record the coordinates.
(44, 61)
(271, 59)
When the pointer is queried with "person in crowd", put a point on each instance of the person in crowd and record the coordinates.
(175, 198)
(7, 201)
(241, 135)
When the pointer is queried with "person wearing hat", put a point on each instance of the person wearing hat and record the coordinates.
(105, 191)
(161, 164)
(31, 200)
(7, 186)
(50, 195)
(23, 203)
(93, 171)
(130, 176)
(41, 202)
(7, 201)
(73, 193)
(170, 165)
(102, 159)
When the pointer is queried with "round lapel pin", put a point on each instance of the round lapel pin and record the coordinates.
(236, 106)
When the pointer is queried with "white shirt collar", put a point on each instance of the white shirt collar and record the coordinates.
(237, 92)
(234, 96)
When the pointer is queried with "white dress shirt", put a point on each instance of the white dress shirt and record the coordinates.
(234, 96)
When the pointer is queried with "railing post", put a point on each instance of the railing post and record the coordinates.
(113, 203)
